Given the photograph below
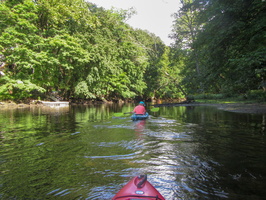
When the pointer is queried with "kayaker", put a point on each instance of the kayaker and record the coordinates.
(140, 109)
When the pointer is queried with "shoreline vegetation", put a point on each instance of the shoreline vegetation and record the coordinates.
(75, 49)
(251, 107)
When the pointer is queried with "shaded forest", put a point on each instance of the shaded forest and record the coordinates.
(74, 49)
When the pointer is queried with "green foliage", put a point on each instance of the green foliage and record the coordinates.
(258, 95)
(82, 90)
(83, 51)
(17, 89)
(72, 47)
(162, 73)
(80, 50)
(209, 96)
(225, 47)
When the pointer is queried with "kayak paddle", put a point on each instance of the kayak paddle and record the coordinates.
(154, 109)
(122, 114)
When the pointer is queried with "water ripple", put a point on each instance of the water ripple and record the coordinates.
(115, 157)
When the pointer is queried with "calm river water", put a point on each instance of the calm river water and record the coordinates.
(85, 153)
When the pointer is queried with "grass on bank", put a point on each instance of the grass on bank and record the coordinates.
(254, 96)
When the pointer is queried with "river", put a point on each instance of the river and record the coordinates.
(84, 152)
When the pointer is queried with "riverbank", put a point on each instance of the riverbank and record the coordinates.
(239, 107)
(36, 103)
(253, 108)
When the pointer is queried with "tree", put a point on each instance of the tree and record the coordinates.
(117, 65)
(234, 54)
(17, 41)
(71, 47)
(185, 31)
(228, 45)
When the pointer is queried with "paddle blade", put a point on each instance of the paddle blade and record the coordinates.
(122, 114)
(155, 109)
(118, 114)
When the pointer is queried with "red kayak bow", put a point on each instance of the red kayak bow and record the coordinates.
(138, 188)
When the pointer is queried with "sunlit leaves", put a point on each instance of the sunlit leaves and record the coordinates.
(17, 89)
(78, 49)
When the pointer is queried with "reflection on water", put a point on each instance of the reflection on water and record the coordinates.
(86, 153)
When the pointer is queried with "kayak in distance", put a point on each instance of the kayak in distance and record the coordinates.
(138, 188)
(135, 117)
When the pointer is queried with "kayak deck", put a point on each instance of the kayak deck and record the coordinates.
(138, 189)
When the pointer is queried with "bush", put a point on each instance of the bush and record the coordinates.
(209, 96)
(11, 89)
(258, 95)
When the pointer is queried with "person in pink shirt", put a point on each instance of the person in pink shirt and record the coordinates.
(140, 109)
